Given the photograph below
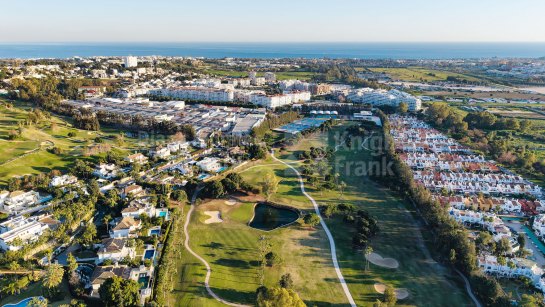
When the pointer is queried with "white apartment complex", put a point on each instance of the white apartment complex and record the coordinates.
(384, 98)
(130, 61)
(195, 93)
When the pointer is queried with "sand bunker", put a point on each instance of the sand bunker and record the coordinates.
(377, 259)
(230, 202)
(401, 293)
(215, 217)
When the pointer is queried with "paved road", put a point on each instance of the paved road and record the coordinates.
(201, 259)
(329, 236)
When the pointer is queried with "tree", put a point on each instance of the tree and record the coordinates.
(179, 195)
(37, 302)
(368, 251)
(452, 256)
(213, 189)
(503, 246)
(311, 219)
(521, 239)
(272, 259)
(390, 297)
(89, 234)
(286, 281)
(264, 247)
(403, 107)
(53, 276)
(71, 262)
(117, 291)
(278, 297)
(342, 186)
(270, 185)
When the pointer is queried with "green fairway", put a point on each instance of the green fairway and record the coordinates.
(28, 153)
(231, 249)
(231, 246)
(417, 74)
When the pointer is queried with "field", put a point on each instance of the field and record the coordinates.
(515, 113)
(281, 75)
(28, 153)
(417, 74)
(231, 246)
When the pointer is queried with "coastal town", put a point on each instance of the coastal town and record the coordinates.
(133, 156)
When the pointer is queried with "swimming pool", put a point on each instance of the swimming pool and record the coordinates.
(23, 303)
(155, 231)
(149, 254)
(143, 281)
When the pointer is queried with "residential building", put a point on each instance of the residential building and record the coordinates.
(126, 228)
(115, 249)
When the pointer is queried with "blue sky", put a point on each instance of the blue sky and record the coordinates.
(272, 20)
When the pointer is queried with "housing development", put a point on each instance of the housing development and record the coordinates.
(185, 181)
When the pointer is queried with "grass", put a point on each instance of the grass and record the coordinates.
(28, 154)
(230, 247)
(35, 289)
(418, 74)
(281, 75)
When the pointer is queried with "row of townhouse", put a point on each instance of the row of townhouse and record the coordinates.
(508, 205)
(487, 220)
(446, 157)
(195, 93)
(450, 166)
(484, 188)
(512, 268)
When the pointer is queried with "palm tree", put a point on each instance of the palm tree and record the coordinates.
(106, 221)
(53, 276)
(10, 288)
(342, 186)
(368, 252)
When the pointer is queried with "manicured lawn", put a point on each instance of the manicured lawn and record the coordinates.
(28, 154)
(418, 74)
(282, 75)
(231, 247)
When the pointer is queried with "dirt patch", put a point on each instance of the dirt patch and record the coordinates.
(401, 293)
(231, 202)
(377, 259)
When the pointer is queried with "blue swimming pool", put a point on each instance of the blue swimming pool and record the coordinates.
(155, 231)
(143, 281)
(149, 254)
(23, 303)
(534, 239)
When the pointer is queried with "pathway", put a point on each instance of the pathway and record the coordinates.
(329, 236)
(208, 270)
(469, 290)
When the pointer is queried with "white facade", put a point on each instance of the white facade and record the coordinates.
(274, 101)
(384, 98)
(64, 180)
(210, 165)
(196, 93)
(130, 61)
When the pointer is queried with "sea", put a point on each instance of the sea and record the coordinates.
(278, 50)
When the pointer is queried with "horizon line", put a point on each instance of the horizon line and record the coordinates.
(271, 42)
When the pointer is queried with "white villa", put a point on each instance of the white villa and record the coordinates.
(64, 180)
(210, 165)
(16, 201)
(106, 171)
(21, 230)
(115, 249)
(126, 228)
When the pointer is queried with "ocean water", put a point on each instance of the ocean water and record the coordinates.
(278, 50)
